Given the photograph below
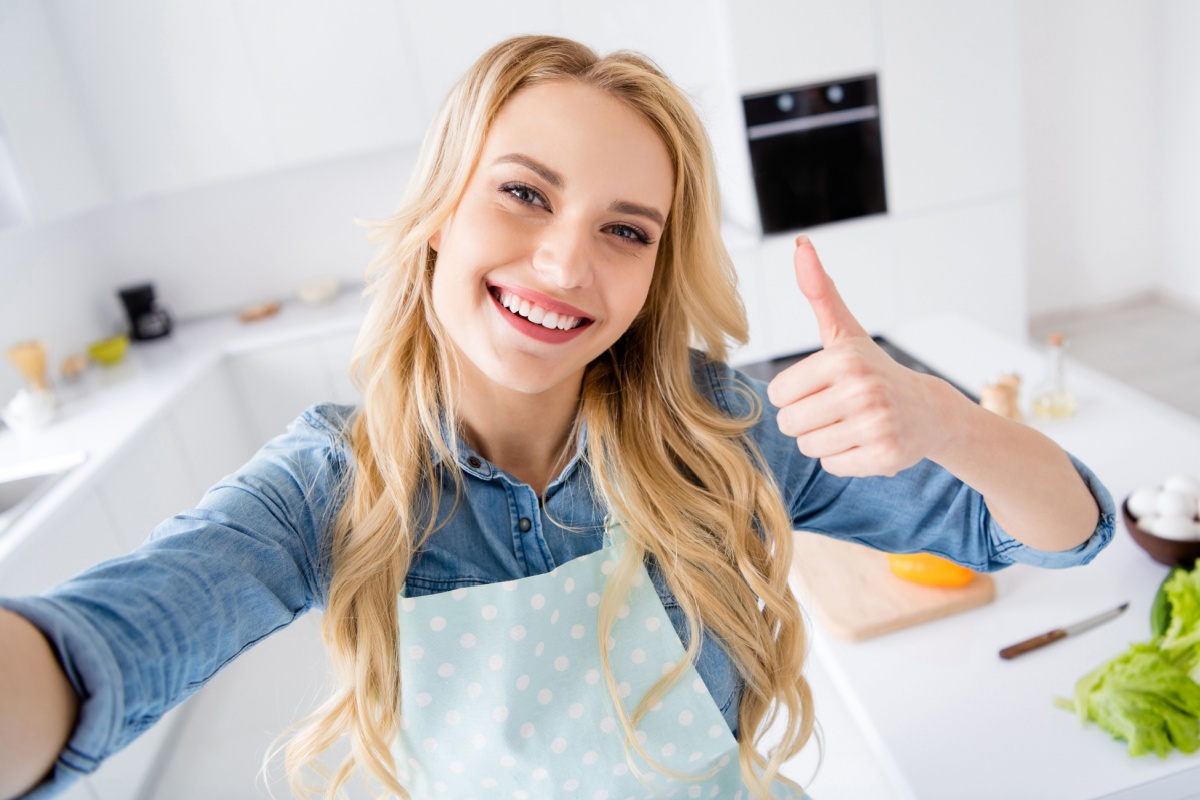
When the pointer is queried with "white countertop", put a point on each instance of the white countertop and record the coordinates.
(110, 405)
(944, 715)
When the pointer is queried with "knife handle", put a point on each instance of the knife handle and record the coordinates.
(1012, 651)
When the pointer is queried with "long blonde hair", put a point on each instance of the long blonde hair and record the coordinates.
(681, 476)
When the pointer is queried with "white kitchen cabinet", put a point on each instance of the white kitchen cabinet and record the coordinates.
(335, 79)
(146, 482)
(679, 35)
(275, 384)
(37, 107)
(448, 36)
(237, 716)
(72, 538)
(951, 103)
(80, 790)
(127, 775)
(211, 429)
(336, 351)
(777, 45)
(165, 88)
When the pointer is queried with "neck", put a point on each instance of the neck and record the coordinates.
(523, 434)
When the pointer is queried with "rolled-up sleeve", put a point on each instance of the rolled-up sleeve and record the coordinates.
(138, 634)
(1009, 549)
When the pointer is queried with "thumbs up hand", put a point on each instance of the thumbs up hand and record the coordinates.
(850, 404)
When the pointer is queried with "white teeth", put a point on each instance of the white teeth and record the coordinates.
(536, 314)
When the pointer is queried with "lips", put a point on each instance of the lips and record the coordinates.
(536, 315)
(547, 304)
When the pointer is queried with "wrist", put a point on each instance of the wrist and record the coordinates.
(953, 421)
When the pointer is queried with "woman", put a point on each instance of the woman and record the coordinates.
(553, 545)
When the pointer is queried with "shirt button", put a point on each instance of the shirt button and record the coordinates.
(474, 462)
(524, 525)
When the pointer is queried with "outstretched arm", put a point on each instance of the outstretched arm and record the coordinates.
(862, 414)
(37, 706)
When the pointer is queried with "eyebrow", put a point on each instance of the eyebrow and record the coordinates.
(554, 179)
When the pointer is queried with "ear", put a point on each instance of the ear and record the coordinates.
(435, 241)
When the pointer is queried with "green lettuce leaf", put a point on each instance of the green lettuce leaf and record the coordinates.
(1141, 697)
(1181, 641)
(1149, 695)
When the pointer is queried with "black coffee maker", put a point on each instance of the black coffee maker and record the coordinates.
(146, 319)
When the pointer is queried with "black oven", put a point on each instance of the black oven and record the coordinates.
(816, 153)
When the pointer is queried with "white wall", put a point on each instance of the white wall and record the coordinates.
(1091, 72)
(1178, 150)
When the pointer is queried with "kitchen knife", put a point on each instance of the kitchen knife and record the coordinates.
(1012, 651)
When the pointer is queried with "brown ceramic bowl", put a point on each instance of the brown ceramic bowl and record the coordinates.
(1164, 551)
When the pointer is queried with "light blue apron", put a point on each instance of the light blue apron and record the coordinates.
(504, 695)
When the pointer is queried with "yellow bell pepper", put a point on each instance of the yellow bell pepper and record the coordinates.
(929, 570)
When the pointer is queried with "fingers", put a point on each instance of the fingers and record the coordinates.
(834, 320)
(811, 413)
(801, 379)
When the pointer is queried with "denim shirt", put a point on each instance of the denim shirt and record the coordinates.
(138, 634)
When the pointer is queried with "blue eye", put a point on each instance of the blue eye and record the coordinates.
(631, 233)
(525, 194)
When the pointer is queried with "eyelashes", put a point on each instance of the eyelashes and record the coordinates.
(527, 195)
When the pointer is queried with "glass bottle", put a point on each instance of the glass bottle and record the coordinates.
(1054, 400)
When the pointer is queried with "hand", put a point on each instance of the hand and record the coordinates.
(850, 404)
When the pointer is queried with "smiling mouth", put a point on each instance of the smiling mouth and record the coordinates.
(532, 312)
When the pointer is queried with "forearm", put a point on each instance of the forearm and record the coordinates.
(1031, 488)
(38, 706)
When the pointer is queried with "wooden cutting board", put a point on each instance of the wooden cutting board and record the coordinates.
(854, 593)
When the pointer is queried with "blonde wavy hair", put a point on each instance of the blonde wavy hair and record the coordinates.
(689, 489)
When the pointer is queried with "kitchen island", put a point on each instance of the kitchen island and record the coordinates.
(932, 709)
(944, 716)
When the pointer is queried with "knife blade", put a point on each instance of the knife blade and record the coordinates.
(1012, 651)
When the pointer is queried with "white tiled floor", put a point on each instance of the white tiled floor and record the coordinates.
(1148, 342)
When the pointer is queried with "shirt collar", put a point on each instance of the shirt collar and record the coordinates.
(471, 462)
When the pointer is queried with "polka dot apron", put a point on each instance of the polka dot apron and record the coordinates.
(504, 694)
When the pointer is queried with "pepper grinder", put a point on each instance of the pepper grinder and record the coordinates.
(34, 407)
(30, 359)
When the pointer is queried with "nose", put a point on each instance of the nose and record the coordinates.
(563, 254)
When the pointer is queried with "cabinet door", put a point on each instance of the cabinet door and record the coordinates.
(42, 118)
(165, 86)
(238, 715)
(336, 350)
(81, 790)
(72, 538)
(951, 103)
(212, 428)
(129, 774)
(276, 384)
(323, 70)
(448, 36)
(147, 482)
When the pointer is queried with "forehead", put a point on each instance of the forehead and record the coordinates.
(599, 144)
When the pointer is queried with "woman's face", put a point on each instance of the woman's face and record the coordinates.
(549, 253)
